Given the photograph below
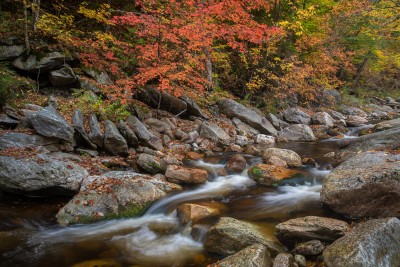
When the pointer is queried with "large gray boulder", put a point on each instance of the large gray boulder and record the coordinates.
(113, 195)
(372, 243)
(366, 185)
(20, 140)
(385, 125)
(40, 175)
(96, 135)
(145, 136)
(296, 115)
(233, 109)
(128, 134)
(310, 228)
(114, 142)
(162, 100)
(8, 52)
(352, 111)
(298, 132)
(230, 235)
(41, 64)
(48, 122)
(63, 77)
(192, 108)
(253, 256)
(77, 121)
(322, 118)
(149, 163)
(244, 129)
(213, 132)
(7, 121)
(290, 157)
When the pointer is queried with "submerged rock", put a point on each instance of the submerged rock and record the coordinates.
(372, 243)
(230, 235)
(350, 188)
(113, 195)
(253, 256)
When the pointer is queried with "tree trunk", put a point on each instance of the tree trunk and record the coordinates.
(362, 66)
(210, 84)
(27, 44)
(35, 13)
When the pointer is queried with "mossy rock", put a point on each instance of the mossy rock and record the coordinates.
(270, 175)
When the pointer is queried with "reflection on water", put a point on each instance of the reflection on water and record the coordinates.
(158, 238)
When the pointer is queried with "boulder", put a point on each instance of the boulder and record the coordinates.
(322, 118)
(336, 115)
(143, 134)
(385, 125)
(79, 126)
(356, 121)
(48, 122)
(270, 175)
(273, 160)
(351, 186)
(41, 64)
(96, 135)
(20, 140)
(213, 132)
(265, 139)
(40, 174)
(192, 108)
(236, 164)
(128, 134)
(352, 111)
(256, 255)
(309, 248)
(298, 132)
(276, 122)
(149, 163)
(283, 260)
(296, 115)
(113, 195)
(63, 77)
(290, 157)
(243, 128)
(233, 109)
(8, 122)
(8, 52)
(101, 77)
(189, 212)
(230, 235)
(178, 174)
(372, 243)
(310, 228)
(114, 142)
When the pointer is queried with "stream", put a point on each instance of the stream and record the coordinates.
(30, 236)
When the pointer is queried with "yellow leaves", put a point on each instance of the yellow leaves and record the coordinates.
(101, 14)
(56, 26)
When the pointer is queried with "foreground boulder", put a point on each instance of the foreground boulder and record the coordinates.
(269, 175)
(230, 235)
(113, 195)
(253, 256)
(290, 157)
(372, 243)
(367, 185)
(48, 122)
(310, 228)
(233, 109)
(178, 174)
(20, 140)
(297, 132)
(40, 175)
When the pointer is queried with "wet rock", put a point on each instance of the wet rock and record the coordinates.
(296, 115)
(233, 109)
(351, 186)
(48, 122)
(322, 118)
(194, 212)
(213, 132)
(298, 132)
(236, 164)
(17, 139)
(385, 125)
(283, 260)
(309, 248)
(128, 134)
(63, 77)
(253, 256)
(8, 122)
(353, 111)
(77, 121)
(270, 175)
(356, 121)
(292, 158)
(243, 128)
(96, 135)
(113, 195)
(114, 142)
(178, 174)
(273, 160)
(372, 243)
(8, 52)
(149, 163)
(230, 235)
(43, 64)
(144, 135)
(310, 228)
(265, 139)
(40, 175)
(276, 122)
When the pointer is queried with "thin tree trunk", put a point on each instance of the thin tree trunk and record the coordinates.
(362, 66)
(35, 13)
(27, 44)
(210, 84)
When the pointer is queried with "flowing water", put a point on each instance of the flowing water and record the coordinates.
(29, 235)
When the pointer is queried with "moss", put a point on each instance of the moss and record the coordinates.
(256, 172)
